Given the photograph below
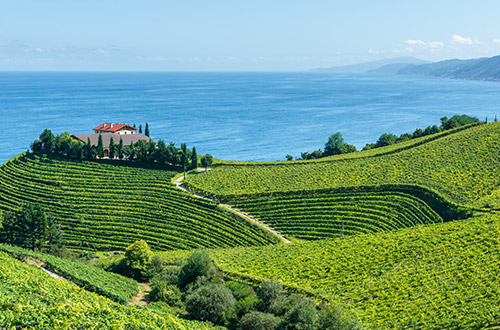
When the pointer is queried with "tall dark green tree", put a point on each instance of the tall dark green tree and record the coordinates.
(89, 151)
(31, 228)
(194, 158)
(120, 148)
(140, 128)
(151, 151)
(184, 157)
(161, 152)
(100, 147)
(112, 148)
(129, 151)
(146, 130)
(49, 141)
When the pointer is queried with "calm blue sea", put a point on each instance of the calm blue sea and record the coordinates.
(239, 116)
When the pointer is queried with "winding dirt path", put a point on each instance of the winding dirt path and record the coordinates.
(178, 184)
(142, 297)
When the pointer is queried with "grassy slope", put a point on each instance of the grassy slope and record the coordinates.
(109, 207)
(116, 287)
(30, 296)
(427, 277)
(463, 167)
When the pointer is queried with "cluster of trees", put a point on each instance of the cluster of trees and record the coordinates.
(198, 288)
(337, 146)
(334, 146)
(32, 228)
(141, 151)
(446, 124)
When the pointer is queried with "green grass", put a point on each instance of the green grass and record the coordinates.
(29, 296)
(441, 276)
(110, 206)
(464, 167)
(110, 285)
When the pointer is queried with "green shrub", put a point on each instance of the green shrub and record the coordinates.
(259, 321)
(302, 317)
(138, 256)
(335, 318)
(166, 292)
(282, 304)
(198, 264)
(155, 267)
(212, 302)
(245, 296)
(268, 292)
(169, 275)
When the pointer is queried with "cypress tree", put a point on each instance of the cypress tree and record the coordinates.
(140, 128)
(120, 148)
(111, 148)
(194, 158)
(100, 147)
(146, 130)
(184, 157)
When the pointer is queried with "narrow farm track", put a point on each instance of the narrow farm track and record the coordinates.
(178, 184)
(142, 296)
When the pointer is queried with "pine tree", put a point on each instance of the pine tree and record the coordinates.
(140, 128)
(146, 130)
(194, 158)
(120, 148)
(111, 148)
(100, 147)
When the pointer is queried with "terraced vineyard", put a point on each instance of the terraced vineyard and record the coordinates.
(110, 285)
(464, 167)
(441, 276)
(31, 299)
(335, 213)
(109, 206)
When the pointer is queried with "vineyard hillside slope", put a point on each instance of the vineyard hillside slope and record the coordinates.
(104, 206)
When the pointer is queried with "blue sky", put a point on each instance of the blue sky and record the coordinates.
(239, 35)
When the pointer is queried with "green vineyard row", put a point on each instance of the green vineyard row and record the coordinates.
(31, 299)
(116, 287)
(463, 167)
(109, 206)
(439, 276)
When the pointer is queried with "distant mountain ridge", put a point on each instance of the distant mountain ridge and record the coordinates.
(486, 68)
(373, 65)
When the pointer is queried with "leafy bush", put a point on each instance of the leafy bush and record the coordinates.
(268, 292)
(165, 292)
(302, 317)
(155, 267)
(283, 304)
(212, 302)
(198, 264)
(335, 318)
(259, 321)
(246, 299)
(169, 275)
(138, 255)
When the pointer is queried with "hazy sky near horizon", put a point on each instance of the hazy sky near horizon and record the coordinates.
(228, 35)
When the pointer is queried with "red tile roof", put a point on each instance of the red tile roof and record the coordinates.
(108, 127)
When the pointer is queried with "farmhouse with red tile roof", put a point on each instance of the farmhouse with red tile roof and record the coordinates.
(115, 128)
(116, 131)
